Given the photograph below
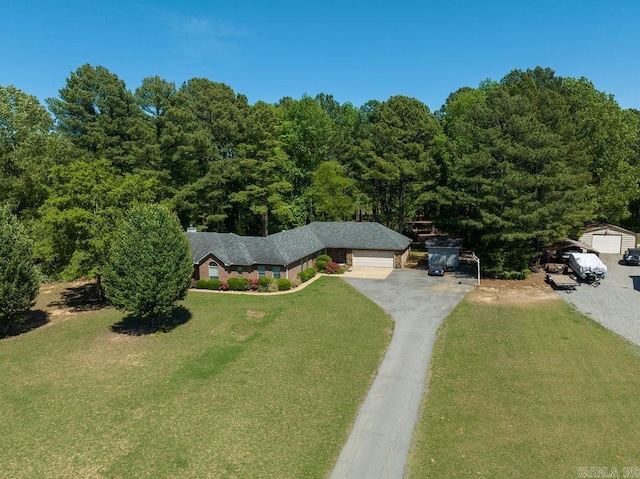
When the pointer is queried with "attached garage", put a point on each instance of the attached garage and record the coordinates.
(609, 239)
(373, 258)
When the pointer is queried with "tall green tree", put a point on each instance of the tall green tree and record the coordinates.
(18, 278)
(28, 151)
(149, 267)
(159, 138)
(97, 112)
(332, 192)
(633, 221)
(399, 159)
(86, 201)
(306, 139)
(519, 179)
(211, 121)
(205, 201)
(609, 137)
(263, 170)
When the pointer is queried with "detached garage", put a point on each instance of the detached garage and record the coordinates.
(444, 250)
(608, 239)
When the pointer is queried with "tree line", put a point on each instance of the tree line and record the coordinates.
(511, 165)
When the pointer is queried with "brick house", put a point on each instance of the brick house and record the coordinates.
(283, 255)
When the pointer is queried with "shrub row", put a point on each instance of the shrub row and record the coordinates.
(306, 274)
(238, 284)
(246, 284)
(208, 284)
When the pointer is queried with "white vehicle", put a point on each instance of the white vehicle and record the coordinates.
(587, 266)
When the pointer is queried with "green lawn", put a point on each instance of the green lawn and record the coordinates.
(535, 391)
(248, 387)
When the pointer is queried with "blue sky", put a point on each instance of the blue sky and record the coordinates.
(354, 50)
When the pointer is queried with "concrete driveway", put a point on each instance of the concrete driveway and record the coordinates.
(379, 442)
(361, 272)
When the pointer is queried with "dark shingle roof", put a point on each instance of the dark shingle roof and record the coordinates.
(288, 246)
(227, 247)
(296, 243)
(359, 236)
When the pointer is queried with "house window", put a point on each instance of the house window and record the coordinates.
(213, 271)
(261, 271)
(239, 270)
(276, 271)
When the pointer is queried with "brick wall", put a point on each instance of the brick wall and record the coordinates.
(201, 271)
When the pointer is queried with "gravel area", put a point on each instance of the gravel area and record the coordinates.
(616, 302)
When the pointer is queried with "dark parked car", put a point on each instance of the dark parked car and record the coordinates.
(631, 257)
(436, 269)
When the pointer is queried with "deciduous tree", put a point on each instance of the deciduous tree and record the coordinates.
(78, 219)
(28, 151)
(332, 192)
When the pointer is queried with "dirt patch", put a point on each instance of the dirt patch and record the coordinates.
(528, 291)
(251, 314)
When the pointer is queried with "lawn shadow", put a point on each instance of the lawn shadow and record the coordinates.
(83, 297)
(134, 325)
(636, 282)
(33, 319)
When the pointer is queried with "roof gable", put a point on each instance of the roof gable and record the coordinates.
(605, 226)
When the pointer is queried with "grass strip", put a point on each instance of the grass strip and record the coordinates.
(527, 391)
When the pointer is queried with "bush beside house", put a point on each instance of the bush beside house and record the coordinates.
(333, 268)
(263, 285)
(306, 275)
(238, 284)
(321, 261)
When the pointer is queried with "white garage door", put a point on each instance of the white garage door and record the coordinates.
(379, 259)
(607, 243)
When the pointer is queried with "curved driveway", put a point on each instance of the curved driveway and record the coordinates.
(379, 442)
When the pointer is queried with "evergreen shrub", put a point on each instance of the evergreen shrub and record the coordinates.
(213, 284)
(321, 261)
(306, 274)
(238, 284)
